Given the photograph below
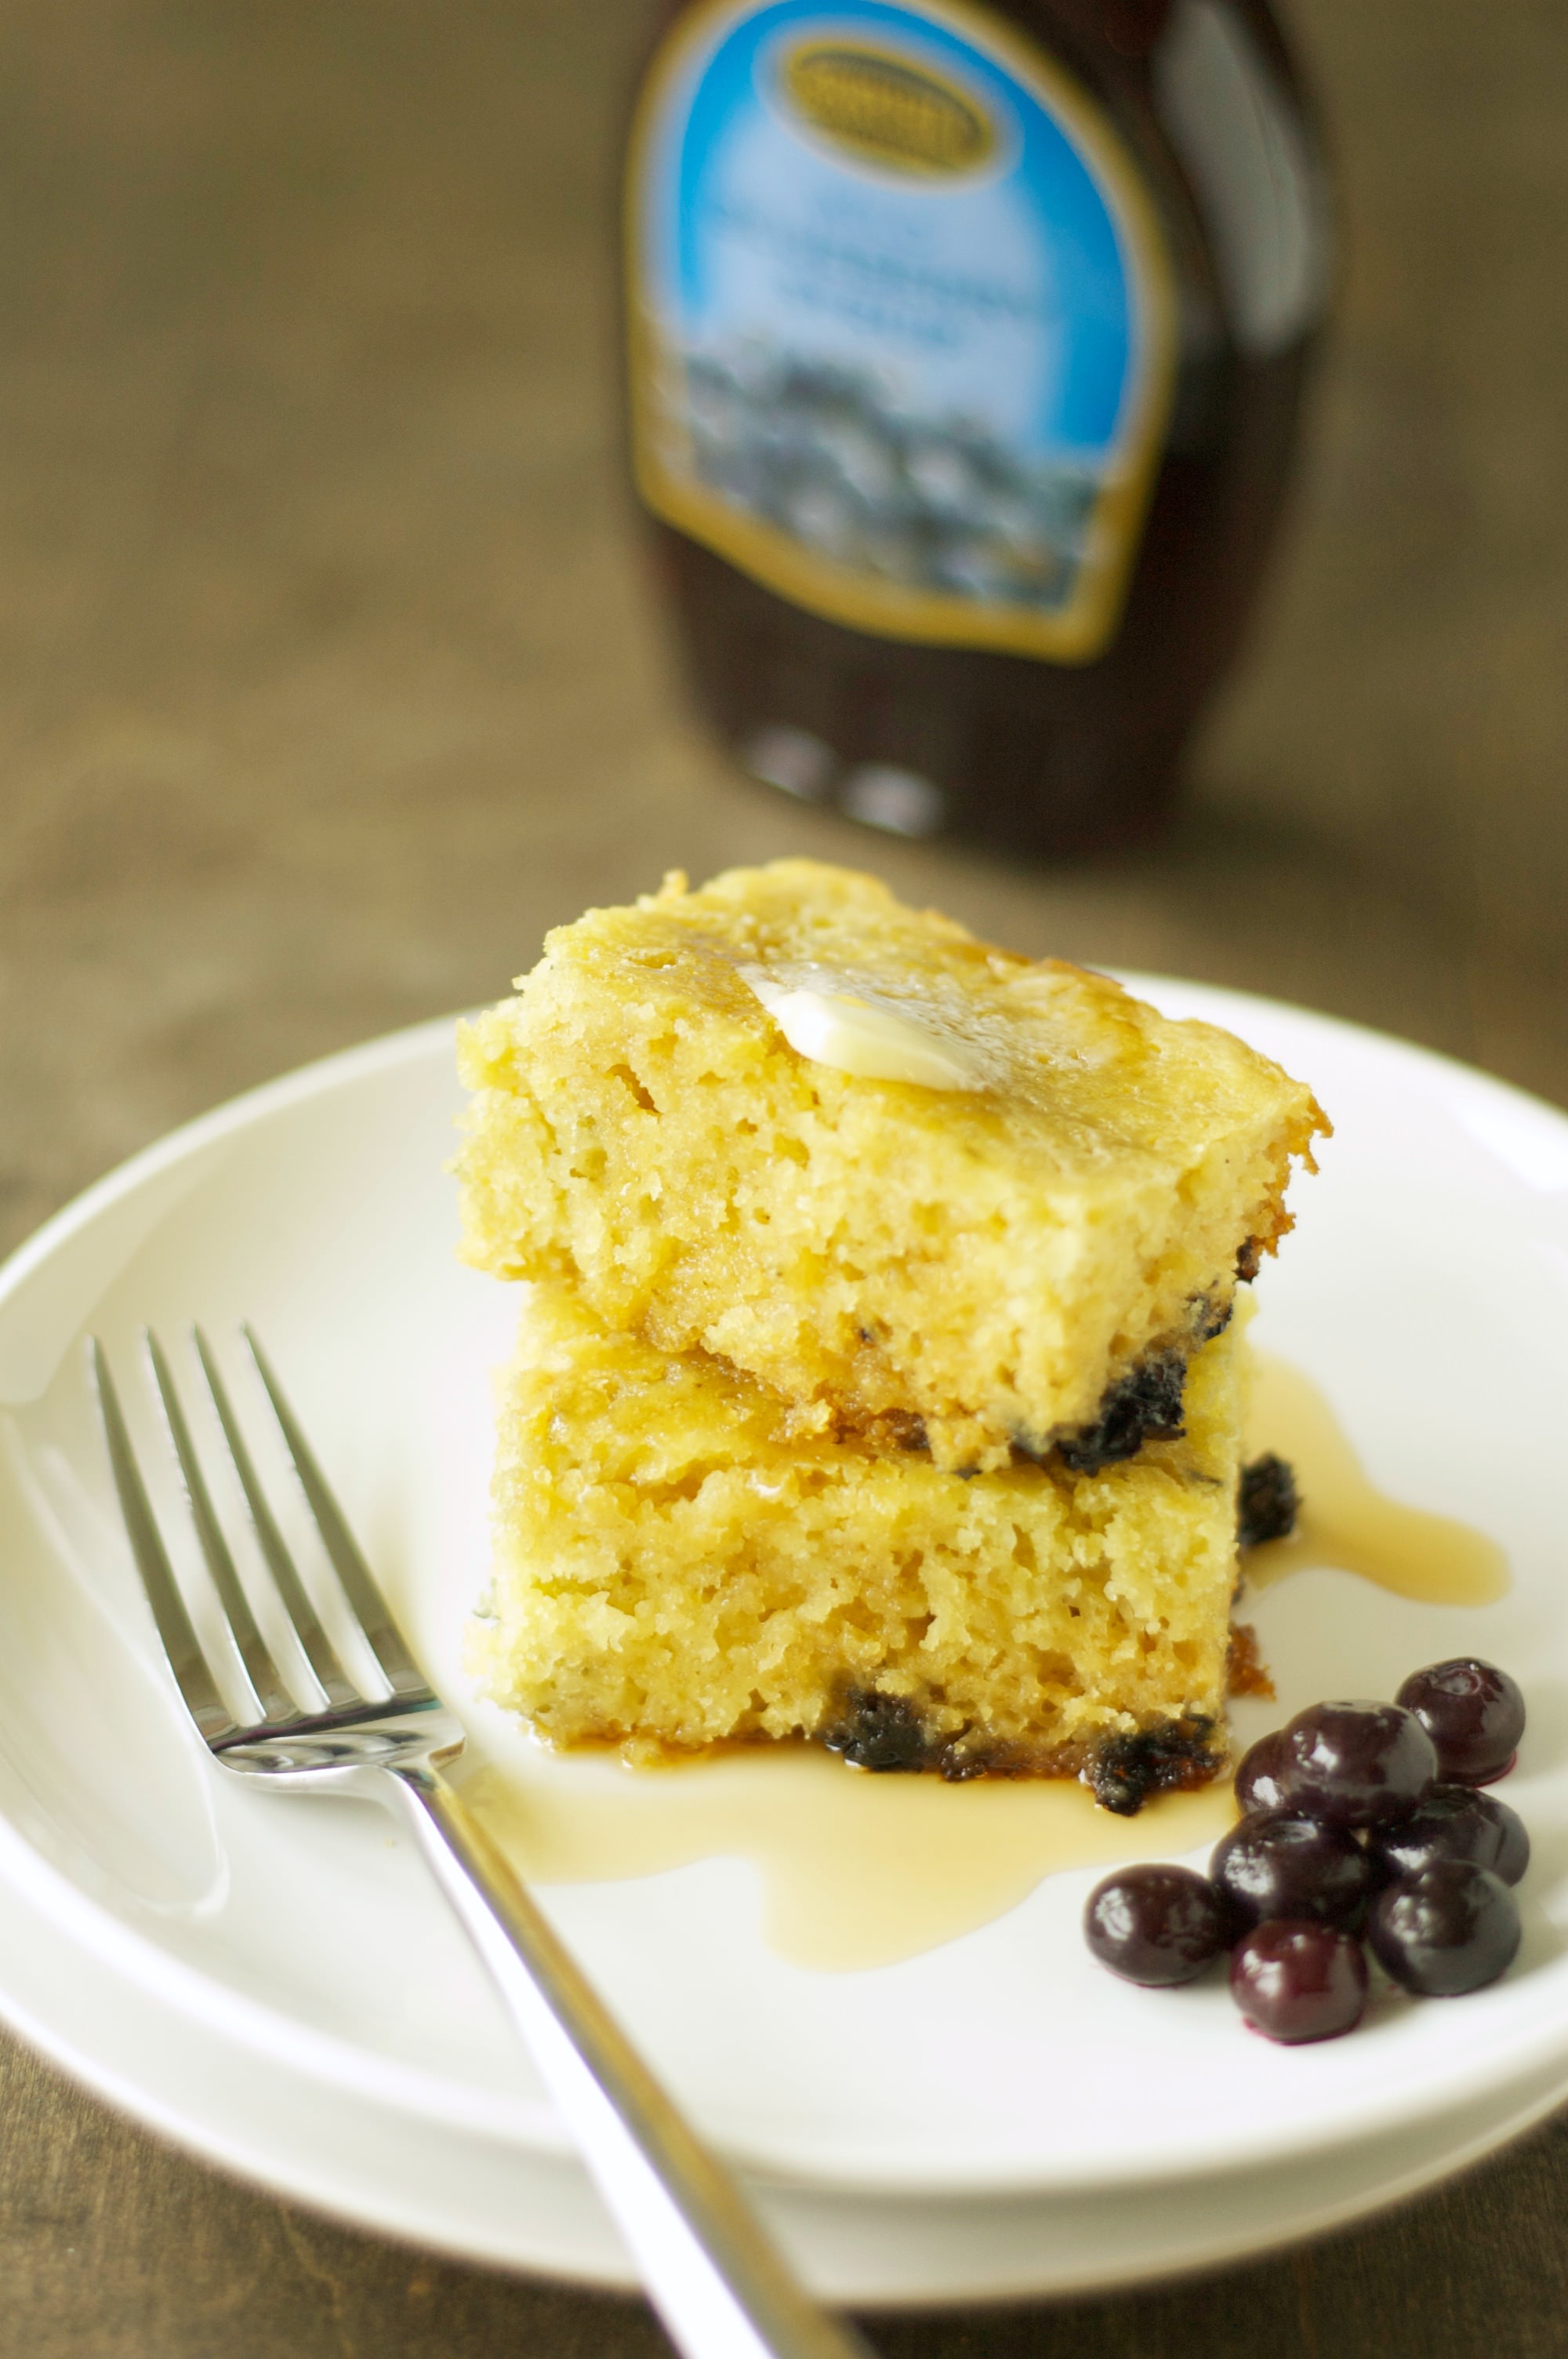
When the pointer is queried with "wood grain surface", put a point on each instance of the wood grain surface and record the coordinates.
(331, 679)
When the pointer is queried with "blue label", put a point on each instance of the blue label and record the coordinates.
(902, 324)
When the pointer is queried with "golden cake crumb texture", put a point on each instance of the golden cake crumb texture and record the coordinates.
(674, 1566)
(980, 1266)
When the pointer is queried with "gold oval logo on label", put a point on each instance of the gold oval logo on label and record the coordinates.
(886, 110)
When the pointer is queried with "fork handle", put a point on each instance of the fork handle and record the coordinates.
(713, 2274)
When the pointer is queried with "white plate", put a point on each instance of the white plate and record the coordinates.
(1425, 1289)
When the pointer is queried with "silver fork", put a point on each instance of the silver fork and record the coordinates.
(716, 2278)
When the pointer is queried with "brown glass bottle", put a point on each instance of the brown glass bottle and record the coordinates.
(1029, 752)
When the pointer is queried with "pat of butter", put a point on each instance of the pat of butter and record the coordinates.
(874, 1043)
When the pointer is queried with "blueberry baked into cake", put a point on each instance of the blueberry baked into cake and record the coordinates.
(877, 1380)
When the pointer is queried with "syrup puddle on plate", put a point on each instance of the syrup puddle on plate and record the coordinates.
(1346, 1521)
(861, 1871)
(858, 1870)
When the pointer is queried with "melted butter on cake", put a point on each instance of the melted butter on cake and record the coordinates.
(831, 1019)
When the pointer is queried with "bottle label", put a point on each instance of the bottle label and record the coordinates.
(903, 325)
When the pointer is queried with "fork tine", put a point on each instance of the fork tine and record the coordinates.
(186, 1659)
(364, 1599)
(307, 1622)
(276, 1703)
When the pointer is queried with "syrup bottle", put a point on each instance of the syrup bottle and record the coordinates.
(966, 347)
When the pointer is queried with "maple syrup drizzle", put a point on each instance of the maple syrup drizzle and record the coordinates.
(1346, 1521)
(857, 1869)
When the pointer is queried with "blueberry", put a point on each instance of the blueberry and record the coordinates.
(1452, 1928)
(1258, 1785)
(1278, 1864)
(1296, 1982)
(1474, 1715)
(1358, 1764)
(1155, 1925)
(1267, 1502)
(1454, 1822)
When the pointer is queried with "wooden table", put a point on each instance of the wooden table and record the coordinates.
(331, 681)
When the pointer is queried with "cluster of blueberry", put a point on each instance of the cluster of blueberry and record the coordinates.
(1363, 1829)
